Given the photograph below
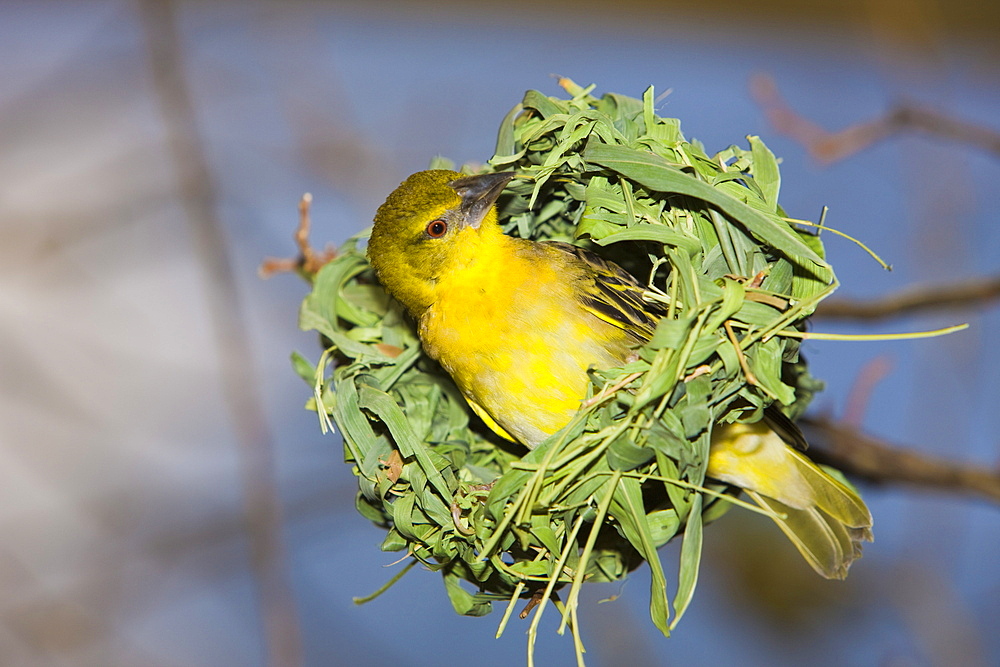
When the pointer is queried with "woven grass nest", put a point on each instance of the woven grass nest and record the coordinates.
(627, 475)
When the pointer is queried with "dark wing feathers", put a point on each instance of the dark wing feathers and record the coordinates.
(613, 295)
(785, 427)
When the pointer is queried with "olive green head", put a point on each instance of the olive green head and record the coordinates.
(425, 225)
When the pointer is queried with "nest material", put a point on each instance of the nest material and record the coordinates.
(627, 475)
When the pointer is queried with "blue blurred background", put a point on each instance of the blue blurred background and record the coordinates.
(129, 461)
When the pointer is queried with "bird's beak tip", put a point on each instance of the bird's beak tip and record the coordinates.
(479, 193)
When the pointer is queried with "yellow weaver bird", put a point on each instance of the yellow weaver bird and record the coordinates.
(517, 323)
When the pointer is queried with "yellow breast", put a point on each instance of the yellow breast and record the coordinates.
(507, 326)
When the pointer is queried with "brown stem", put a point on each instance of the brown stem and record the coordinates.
(310, 260)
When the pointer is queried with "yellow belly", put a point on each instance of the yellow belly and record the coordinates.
(517, 352)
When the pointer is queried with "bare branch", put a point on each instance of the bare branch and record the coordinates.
(310, 260)
(914, 300)
(849, 449)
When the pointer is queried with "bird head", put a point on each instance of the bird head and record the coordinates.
(431, 223)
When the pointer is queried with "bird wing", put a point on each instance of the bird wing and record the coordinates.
(824, 519)
(615, 296)
(610, 293)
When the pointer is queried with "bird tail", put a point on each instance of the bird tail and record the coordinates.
(823, 517)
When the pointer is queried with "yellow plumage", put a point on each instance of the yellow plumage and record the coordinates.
(517, 323)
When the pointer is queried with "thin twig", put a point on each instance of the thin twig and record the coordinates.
(604, 393)
(747, 373)
(240, 387)
(849, 449)
(310, 260)
(533, 602)
(914, 300)
(828, 146)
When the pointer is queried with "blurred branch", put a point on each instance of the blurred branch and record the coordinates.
(828, 146)
(915, 300)
(239, 385)
(849, 449)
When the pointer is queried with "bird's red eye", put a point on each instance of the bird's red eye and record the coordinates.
(437, 228)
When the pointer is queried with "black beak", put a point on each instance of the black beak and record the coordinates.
(478, 194)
